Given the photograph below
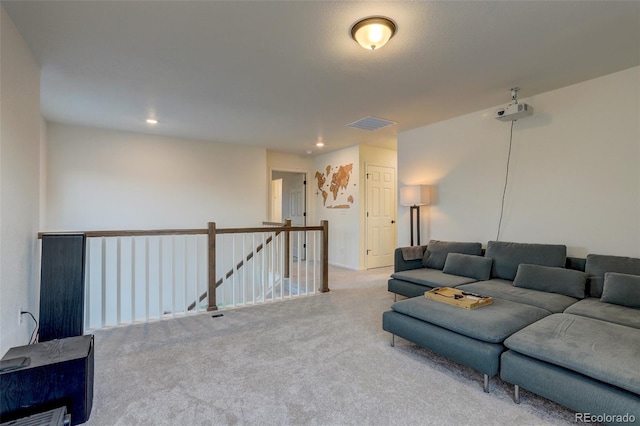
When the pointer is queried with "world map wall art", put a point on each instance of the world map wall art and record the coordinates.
(333, 184)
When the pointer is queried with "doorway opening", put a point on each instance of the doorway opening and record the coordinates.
(289, 201)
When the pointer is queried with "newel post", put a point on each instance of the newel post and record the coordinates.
(287, 247)
(212, 306)
(325, 256)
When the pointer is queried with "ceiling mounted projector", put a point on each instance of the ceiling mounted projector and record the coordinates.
(514, 110)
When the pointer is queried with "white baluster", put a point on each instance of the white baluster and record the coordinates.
(118, 280)
(87, 287)
(133, 280)
(146, 278)
(160, 284)
(196, 274)
(254, 268)
(264, 268)
(104, 282)
(223, 267)
(314, 261)
(173, 276)
(184, 281)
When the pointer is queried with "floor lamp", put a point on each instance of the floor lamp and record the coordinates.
(414, 196)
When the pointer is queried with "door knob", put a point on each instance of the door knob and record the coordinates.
(393, 221)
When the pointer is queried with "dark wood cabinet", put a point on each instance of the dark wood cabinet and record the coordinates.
(60, 373)
(62, 286)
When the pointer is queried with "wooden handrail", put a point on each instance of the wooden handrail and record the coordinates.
(158, 232)
(138, 233)
(268, 229)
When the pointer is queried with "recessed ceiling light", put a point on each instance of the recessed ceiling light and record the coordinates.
(320, 144)
(152, 121)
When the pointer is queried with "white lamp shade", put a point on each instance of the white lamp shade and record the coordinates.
(415, 195)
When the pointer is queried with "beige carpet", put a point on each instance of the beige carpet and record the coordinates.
(316, 360)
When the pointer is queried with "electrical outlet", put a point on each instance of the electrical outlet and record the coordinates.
(19, 316)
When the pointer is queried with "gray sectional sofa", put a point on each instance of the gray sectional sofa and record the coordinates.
(567, 329)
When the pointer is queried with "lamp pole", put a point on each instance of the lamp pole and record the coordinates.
(414, 196)
(417, 225)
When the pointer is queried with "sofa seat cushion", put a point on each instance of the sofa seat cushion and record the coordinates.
(503, 289)
(594, 308)
(492, 323)
(431, 278)
(597, 349)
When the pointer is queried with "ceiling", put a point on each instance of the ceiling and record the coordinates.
(284, 74)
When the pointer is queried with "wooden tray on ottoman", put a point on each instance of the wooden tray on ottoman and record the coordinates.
(455, 297)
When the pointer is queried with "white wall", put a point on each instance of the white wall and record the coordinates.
(102, 179)
(19, 184)
(344, 226)
(574, 174)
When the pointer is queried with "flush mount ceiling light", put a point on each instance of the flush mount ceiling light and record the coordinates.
(151, 121)
(374, 32)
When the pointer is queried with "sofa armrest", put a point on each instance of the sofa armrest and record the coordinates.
(399, 264)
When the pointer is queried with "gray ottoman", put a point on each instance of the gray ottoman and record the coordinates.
(470, 337)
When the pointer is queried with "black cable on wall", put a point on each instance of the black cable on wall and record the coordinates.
(34, 337)
(506, 181)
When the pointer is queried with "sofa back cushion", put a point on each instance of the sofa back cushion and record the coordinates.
(551, 280)
(598, 264)
(621, 289)
(468, 265)
(437, 251)
(507, 256)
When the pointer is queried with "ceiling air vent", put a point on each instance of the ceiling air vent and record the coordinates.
(371, 123)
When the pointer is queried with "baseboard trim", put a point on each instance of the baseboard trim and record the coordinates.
(340, 265)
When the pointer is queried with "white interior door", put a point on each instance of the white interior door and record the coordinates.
(276, 200)
(296, 203)
(297, 211)
(380, 216)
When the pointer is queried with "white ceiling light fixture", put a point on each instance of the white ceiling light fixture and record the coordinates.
(374, 32)
(151, 121)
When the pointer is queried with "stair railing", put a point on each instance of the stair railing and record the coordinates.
(248, 258)
(273, 260)
(144, 275)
